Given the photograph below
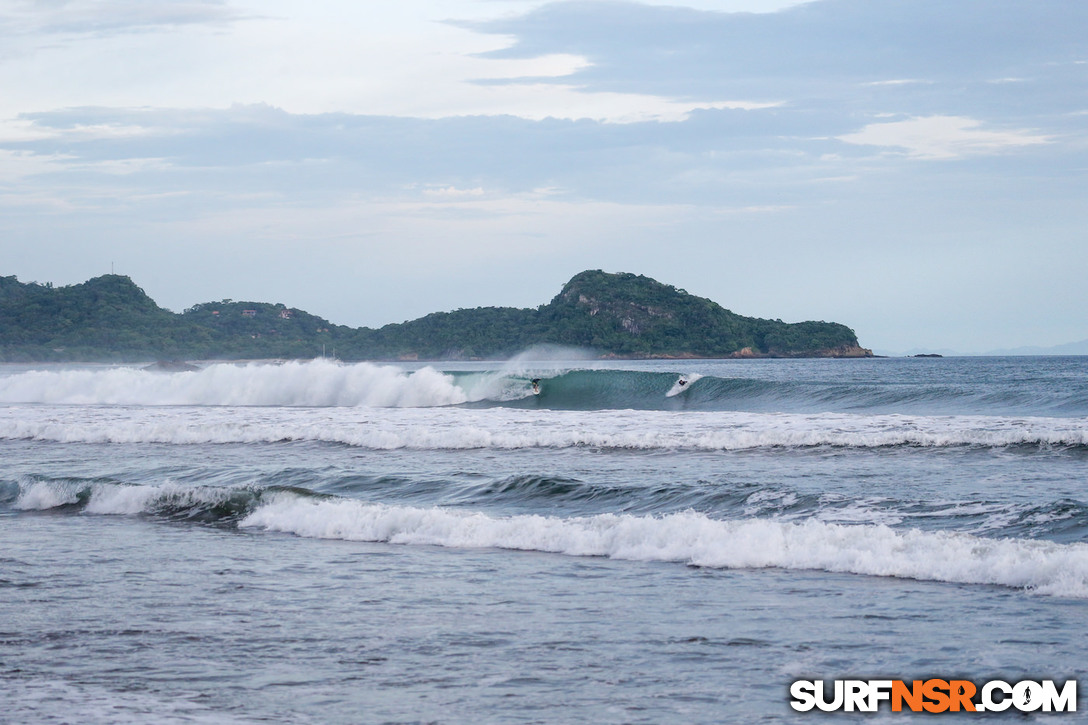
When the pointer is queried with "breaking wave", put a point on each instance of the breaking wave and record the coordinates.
(1062, 520)
(322, 383)
(691, 538)
(316, 383)
(695, 539)
(204, 504)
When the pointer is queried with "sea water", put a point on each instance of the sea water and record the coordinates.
(337, 543)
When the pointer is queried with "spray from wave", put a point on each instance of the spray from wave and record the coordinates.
(316, 383)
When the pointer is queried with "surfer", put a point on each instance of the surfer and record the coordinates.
(536, 386)
(682, 381)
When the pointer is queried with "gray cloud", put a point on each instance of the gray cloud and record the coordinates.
(765, 156)
(276, 150)
(854, 55)
(839, 39)
(262, 149)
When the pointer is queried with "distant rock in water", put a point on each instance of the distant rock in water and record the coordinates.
(619, 315)
(927, 354)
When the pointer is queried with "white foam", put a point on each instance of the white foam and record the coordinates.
(691, 538)
(116, 498)
(312, 383)
(44, 495)
(506, 428)
(495, 386)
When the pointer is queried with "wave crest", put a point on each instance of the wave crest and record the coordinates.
(695, 539)
(315, 383)
(687, 537)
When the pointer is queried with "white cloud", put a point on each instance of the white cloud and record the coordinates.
(110, 16)
(375, 59)
(452, 192)
(897, 82)
(537, 101)
(15, 166)
(545, 66)
(942, 137)
(730, 6)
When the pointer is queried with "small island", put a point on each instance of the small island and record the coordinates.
(110, 319)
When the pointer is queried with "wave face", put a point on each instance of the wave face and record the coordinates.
(687, 537)
(963, 386)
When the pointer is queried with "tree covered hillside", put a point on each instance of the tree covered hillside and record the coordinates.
(635, 315)
(109, 318)
(624, 315)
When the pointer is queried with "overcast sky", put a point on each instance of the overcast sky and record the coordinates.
(915, 169)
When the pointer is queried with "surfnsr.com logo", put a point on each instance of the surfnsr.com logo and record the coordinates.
(934, 695)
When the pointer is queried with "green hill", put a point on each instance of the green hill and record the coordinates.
(106, 317)
(109, 318)
(636, 316)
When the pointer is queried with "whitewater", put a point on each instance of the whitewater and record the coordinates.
(333, 542)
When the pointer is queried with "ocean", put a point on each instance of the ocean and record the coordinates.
(320, 542)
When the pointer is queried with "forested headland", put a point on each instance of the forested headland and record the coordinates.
(111, 319)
